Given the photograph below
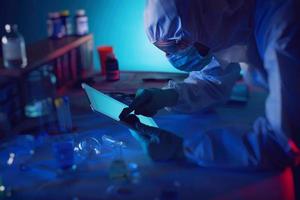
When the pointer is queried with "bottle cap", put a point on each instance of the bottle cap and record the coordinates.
(80, 12)
(65, 13)
(7, 28)
(58, 102)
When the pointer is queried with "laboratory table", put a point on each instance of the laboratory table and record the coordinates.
(38, 176)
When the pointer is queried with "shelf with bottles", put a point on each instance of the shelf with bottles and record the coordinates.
(65, 62)
(46, 51)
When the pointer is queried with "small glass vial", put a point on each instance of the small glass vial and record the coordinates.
(56, 29)
(81, 21)
(66, 21)
(13, 48)
(64, 116)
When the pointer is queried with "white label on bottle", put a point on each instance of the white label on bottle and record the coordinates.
(82, 27)
(12, 50)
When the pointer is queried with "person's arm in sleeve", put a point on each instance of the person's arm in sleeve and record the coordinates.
(274, 141)
(239, 148)
(202, 89)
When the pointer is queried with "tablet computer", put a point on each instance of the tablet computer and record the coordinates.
(110, 107)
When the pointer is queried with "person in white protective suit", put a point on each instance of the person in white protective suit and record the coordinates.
(208, 38)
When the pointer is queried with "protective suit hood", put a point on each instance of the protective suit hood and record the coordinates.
(218, 24)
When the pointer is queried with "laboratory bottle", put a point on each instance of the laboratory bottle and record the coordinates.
(112, 68)
(66, 21)
(13, 48)
(56, 29)
(81, 22)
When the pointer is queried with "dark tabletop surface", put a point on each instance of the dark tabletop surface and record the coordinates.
(40, 179)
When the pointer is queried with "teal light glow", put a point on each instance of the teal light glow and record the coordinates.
(113, 22)
(121, 24)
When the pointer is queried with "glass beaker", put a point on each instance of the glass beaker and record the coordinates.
(118, 169)
(88, 147)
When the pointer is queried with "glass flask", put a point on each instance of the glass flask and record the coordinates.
(88, 147)
(13, 47)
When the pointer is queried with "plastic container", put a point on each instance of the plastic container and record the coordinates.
(81, 22)
(103, 52)
(13, 48)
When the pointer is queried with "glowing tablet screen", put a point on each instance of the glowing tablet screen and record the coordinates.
(110, 107)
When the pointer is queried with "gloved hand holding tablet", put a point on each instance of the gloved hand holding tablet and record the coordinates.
(159, 144)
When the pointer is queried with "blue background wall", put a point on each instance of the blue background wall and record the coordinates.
(113, 22)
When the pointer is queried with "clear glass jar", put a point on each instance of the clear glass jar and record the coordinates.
(40, 86)
(13, 48)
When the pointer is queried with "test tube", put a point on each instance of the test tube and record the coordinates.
(64, 114)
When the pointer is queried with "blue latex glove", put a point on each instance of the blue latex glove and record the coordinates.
(149, 101)
(159, 144)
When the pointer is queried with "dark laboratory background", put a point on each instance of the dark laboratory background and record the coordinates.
(64, 43)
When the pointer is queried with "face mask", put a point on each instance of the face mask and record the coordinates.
(189, 59)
